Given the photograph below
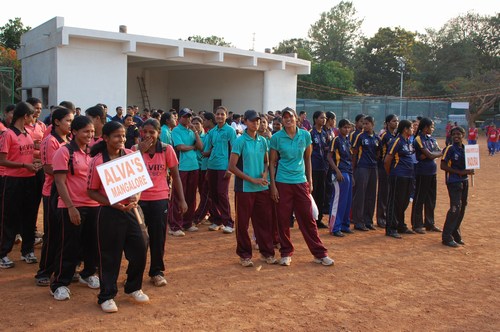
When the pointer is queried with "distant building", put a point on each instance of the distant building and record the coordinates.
(117, 68)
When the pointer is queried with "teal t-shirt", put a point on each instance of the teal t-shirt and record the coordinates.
(188, 160)
(220, 140)
(166, 135)
(251, 154)
(291, 166)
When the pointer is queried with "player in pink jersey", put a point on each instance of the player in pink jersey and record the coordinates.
(118, 228)
(76, 212)
(20, 207)
(160, 158)
(61, 127)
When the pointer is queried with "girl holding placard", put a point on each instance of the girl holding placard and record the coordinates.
(118, 229)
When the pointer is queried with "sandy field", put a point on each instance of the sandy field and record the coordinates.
(377, 284)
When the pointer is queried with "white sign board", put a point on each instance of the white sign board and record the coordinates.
(472, 156)
(124, 176)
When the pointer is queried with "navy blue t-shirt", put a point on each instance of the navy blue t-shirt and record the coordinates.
(402, 163)
(425, 166)
(368, 148)
(341, 148)
(319, 149)
(454, 156)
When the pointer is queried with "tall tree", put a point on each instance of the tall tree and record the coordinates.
(10, 33)
(378, 70)
(336, 34)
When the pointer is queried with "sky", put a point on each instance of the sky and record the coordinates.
(256, 24)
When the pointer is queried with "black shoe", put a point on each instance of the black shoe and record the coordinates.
(338, 234)
(451, 243)
(434, 229)
(321, 225)
(348, 231)
(460, 242)
(419, 230)
(371, 227)
(407, 231)
(381, 224)
(394, 234)
(361, 228)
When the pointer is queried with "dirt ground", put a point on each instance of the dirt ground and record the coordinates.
(377, 283)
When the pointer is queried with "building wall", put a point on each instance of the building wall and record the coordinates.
(98, 73)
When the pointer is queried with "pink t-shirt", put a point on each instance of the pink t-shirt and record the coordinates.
(47, 131)
(36, 131)
(48, 148)
(157, 168)
(19, 148)
(94, 181)
(76, 183)
(3, 129)
(94, 141)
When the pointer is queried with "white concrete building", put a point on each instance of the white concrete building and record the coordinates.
(119, 69)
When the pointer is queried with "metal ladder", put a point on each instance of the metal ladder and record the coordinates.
(144, 92)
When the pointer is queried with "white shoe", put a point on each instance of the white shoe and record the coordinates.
(286, 261)
(215, 227)
(92, 281)
(29, 258)
(18, 239)
(109, 306)
(246, 262)
(159, 280)
(139, 296)
(192, 229)
(62, 293)
(227, 230)
(326, 261)
(6, 263)
(38, 241)
(177, 233)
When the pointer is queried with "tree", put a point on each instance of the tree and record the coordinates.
(377, 70)
(336, 34)
(10, 33)
(212, 40)
(300, 46)
(482, 93)
(328, 80)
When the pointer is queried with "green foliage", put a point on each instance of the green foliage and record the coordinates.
(328, 80)
(10, 33)
(377, 70)
(335, 36)
(212, 40)
(300, 46)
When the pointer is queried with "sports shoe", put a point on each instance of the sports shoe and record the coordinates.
(139, 296)
(29, 258)
(18, 239)
(38, 241)
(246, 262)
(109, 306)
(159, 280)
(269, 260)
(6, 263)
(192, 229)
(62, 293)
(326, 261)
(92, 281)
(38, 234)
(286, 261)
(215, 227)
(177, 233)
(227, 230)
(42, 281)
